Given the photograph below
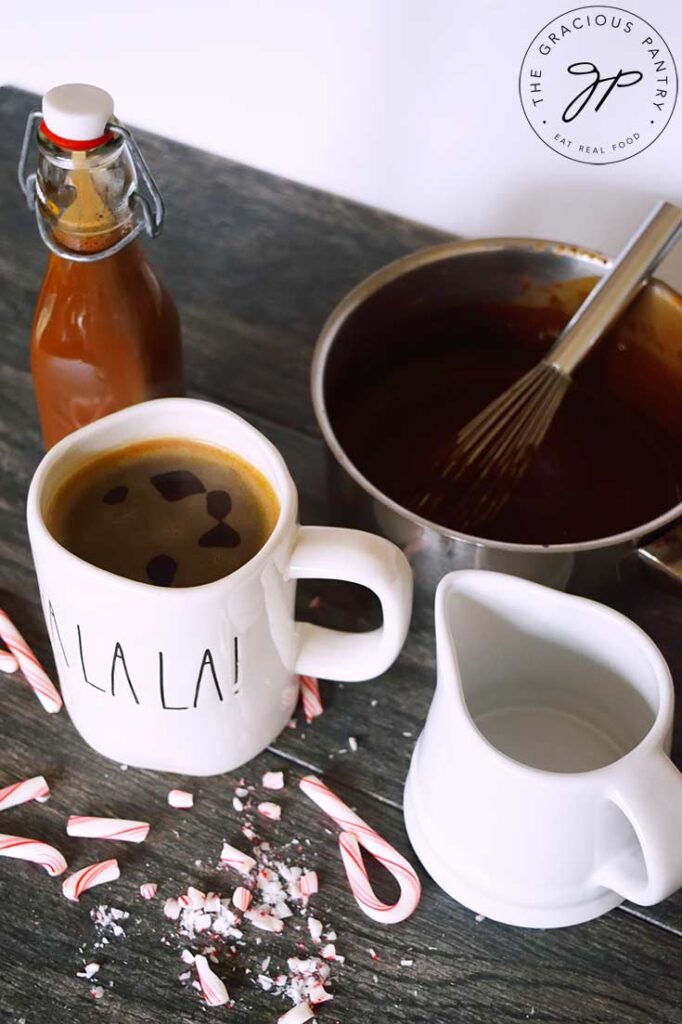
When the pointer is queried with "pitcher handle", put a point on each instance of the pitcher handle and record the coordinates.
(334, 553)
(651, 800)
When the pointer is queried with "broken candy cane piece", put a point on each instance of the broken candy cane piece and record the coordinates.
(308, 884)
(266, 922)
(319, 994)
(32, 849)
(181, 798)
(236, 859)
(310, 695)
(171, 909)
(192, 898)
(89, 971)
(298, 1014)
(273, 780)
(148, 890)
(315, 929)
(94, 874)
(212, 904)
(241, 898)
(270, 810)
(32, 670)
(23, 791)
(212, 988)
(107, 828)
(8, 663)
(356, 832)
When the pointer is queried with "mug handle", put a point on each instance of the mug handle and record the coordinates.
(651, 800)
(335, 553)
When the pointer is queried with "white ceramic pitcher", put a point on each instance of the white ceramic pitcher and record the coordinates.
(540, 791)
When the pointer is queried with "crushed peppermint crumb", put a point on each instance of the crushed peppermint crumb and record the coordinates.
(479, 918)
(89, 971)
(107, 919)
(406, 963)
(181, 798)
(237, 804)
(270, 810)
(352, 744)
(97, 992)
(373, 953)
(273, 780)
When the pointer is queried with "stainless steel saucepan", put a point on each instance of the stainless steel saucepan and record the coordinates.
(500, 271)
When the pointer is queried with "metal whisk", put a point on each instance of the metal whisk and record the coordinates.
(493, 451)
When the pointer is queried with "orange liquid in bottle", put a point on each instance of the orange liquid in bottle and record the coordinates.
(105, 334)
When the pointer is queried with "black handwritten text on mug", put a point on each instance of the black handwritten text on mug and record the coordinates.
(119, 680)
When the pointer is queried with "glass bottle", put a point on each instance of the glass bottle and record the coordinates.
(106, 332)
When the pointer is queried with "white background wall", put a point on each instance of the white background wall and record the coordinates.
(410, 105)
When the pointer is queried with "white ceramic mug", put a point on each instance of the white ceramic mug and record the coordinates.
(200, 679)
(540, 792)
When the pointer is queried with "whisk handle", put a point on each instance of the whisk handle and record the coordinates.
(618, 288)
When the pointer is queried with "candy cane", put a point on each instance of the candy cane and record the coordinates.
(273, 780)
(270, 810)
(241, 898)
(21, 792)
(212, 988)
(356, 833)
(34, 673)
(8, 663)
(180, 798)
(95, 874)
(107, 828)
(298, 1014)
(32, 849)
(310, 695)
(309, 884)
(236, 859)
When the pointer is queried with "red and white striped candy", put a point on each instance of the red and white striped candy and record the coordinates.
(358, 833)
(33, 672)
(308, 884)
(310, 695)
(236, 859)
(273, 780)
(107, 828)
(193, 898)
(260, 918)
(270, 810)
(8, 663)
(180, 798)
(212, 988)
(241, 898)
(95, 874)
(32, 849)
(319, 994)
(148, 890)
(298, 1014)
(23, 791)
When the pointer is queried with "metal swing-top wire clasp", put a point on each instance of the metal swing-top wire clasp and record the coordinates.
(148, 209)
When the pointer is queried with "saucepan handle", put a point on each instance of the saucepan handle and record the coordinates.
(332, 553)
(664, 553)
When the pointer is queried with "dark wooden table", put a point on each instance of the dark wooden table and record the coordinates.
(255, 263)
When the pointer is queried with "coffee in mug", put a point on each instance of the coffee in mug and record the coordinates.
(168, 511)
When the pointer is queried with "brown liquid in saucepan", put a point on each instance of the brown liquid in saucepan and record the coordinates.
(605, 466)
